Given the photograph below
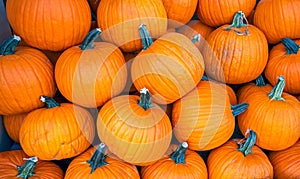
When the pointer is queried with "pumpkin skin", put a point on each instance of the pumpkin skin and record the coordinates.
(12, 124)
(70, 22)
(286, 163)
(60, 132)
(9, 160)
(231, 94)
(283, 23)
(122, 29)
(219, 12)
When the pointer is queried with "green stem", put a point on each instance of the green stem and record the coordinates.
(196, 38)
(246, 148)
(238, 22)
(98, 158)
(178, 155)
(290, 46)
(50, 102)
(26, 170)
(8, 46)
(145, 36)
(260, 81)
(145, 99)
(276, 93)
(88, 42)
(204, 78)
(239, 109)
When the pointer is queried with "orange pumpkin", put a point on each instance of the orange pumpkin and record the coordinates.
(12, 124)
(134, 129)
(274, 116)
(60, 131)
(182, 163)
(49, 25)
(129, 88)
(95, 163)
(239, 159)
(91, 73)
(26, 74)
(17, 164)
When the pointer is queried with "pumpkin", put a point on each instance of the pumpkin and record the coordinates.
(91, 73)
(204, 117)
(169, 67)
(179, 12)
(120, 20)
(286, 163)
(17, 164)
(95, 163)
(129, 88)
(182, 163)
(26, 74)
(277, 19)
(216, 13)
(49, 25)
(274, 116)
(239, 159)
(284, 60)
(134, 129)
(12, 125)
(56, 132)
(237, 53)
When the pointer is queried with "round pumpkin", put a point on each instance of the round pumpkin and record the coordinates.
(95, 163)
(91, 73)
(26, 74)
(12, 124)
(49, 25)
(134, 129)
(17, 164)
(57, 132)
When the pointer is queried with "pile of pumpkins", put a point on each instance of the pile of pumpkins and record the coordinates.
(140, 88)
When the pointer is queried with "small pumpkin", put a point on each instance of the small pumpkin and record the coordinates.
(57, 132)
(12, 124)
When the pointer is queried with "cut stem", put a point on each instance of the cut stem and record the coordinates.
(50, 102)
(238, 22)
(26, 170)
(178, 155)
(260, 81)
(290, 46)
(145, 36)
(239, 108)
(145, 99)
(8, 47)
(246, 148)
(88, 42)
(98, 158)
(276, 93)
(196, 38)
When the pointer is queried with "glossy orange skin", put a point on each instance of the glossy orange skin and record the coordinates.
(203, 118)
(232, 95)
(283, 23)
(287, 65)
(9, 161)
(250, 88)
(79, 168)
(25, 76)
(119, 20)
(133, 134)
(227, 162)
(57, 133)
(286, 163)
(93, 76)
(12, 124)
(50, 25)
(219, 12)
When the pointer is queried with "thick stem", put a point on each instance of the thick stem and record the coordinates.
(239, 109)
(145, 36)
(196, 38)
(246, 148)
(145, 99)
(50, 102)
(276, 93)
(260, 81)
(98, 158)
(179, 154)
(290, 46)
(8, 46)
(88, 42)
(26, 170)
(238, 22)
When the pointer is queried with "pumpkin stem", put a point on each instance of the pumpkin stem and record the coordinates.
(98, 158)
(145, 99)
(50, 102)
(290, 46)
(8, 46)
(179, 154)
(26, 170)
(88, 42)
(204, 78)
(238, 22)
(196, 38)
(276, 92)
(260, 81)
(145, 36)
(239, 109)
(246, 148)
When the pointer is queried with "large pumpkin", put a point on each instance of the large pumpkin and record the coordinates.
(49, 25)
(120, 20)
(26, 74)
(91, 73)
(12, 124)
(134, 129)
(237, 53)
(57, 132)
